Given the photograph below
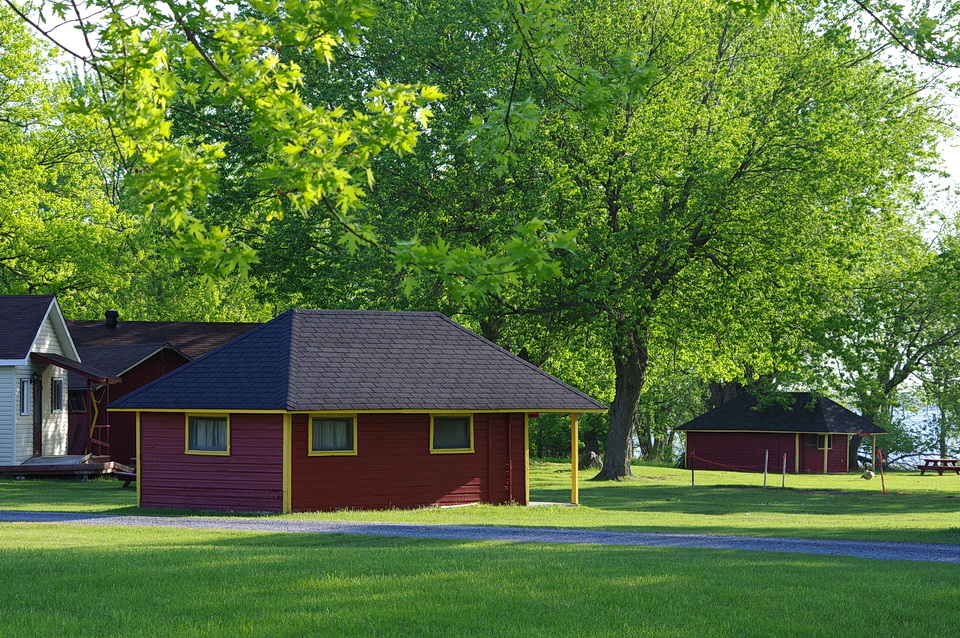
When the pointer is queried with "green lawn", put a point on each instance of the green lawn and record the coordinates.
(914, 509)
(81, 581)
(87, 581)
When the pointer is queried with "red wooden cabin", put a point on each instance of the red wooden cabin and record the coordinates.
(319, 410)
(813, 433)
(136, 353)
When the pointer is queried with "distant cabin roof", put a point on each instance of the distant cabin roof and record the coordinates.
(319, 360)
(192, 338)
(805, 414)
(118, 359)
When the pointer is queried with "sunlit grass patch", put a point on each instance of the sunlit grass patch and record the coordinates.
(659, 499)
(222, 583)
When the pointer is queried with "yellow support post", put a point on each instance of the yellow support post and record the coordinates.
(288, 462)
(526, 458)
(137, 470)
(796, 455)
(574, 449)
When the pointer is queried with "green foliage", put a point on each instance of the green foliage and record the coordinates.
(924, 30)
(152, 60)
(59, 232)
(899, 319)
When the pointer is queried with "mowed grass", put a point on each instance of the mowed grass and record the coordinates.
(63, 580)
(660, 499)
(87, 581)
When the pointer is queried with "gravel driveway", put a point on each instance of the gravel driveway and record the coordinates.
(925, 552)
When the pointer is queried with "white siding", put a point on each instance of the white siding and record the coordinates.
(23, 431)
(8, 413)
(54, 423)
(16, 430)
(47, 340)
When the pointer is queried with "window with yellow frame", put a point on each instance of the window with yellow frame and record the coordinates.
(208, 434)
(333, 435)
(820, 441)
(451, 434)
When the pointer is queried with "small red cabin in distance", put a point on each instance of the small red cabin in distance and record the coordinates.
(320, 410)
(813, 433)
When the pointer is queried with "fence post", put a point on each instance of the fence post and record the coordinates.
(766, 461)
(783, 481)
(693, 479)
(883, 484)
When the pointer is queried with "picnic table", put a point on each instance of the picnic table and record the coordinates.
(951, 465)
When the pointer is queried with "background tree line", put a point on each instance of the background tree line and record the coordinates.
(659, 202)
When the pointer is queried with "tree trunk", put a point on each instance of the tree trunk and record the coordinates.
(723, 391)
(591, 442)
(942, 433)
(856, 442)
(630, 358)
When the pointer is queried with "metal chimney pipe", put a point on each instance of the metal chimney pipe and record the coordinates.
(112, 316)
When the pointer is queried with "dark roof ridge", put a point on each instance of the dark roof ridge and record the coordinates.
(365, 312)
(520, 359)
(293, 333)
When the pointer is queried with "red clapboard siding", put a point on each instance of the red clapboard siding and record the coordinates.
(123, 431)
(742, 451)
(837, 458)
(250, 479)
(394, 468)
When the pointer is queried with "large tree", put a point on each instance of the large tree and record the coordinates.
(723, 198)
(734, 192)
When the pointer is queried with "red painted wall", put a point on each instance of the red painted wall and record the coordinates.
(741, 451)
(394, 468)
(122, 435)
(250, 479)
(744, 451)
(838, 455)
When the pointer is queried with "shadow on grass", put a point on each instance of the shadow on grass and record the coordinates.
(734, 499)
(198, 582)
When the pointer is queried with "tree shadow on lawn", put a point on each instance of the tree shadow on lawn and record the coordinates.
(737, 499)
(300, 584)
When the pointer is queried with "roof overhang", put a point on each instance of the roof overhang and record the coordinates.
(347, 411)
(165, 346)
(860, 433)
(76, 367)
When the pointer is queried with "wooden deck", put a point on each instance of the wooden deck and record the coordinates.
(65, 466)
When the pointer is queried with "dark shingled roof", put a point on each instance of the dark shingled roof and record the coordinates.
(21, 317)
(117, 359)
(315, 360)
(808, 414)
(192, 338)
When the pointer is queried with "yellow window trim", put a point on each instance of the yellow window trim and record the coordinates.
(186, 433)
(331, 415)
(464, 450)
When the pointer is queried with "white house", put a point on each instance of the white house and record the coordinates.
(36, 352)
